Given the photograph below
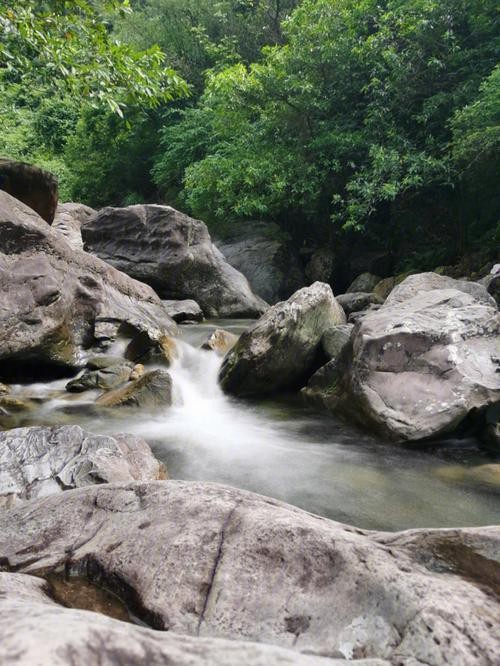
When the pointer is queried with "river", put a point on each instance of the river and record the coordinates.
(285, 450)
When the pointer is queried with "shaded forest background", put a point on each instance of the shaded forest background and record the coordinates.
(368, 124)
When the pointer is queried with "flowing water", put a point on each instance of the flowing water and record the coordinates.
(284, 450)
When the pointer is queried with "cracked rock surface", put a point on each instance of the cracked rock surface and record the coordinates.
(208, 560)
(35, 630)
(40, 461)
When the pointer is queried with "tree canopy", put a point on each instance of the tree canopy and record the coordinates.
(337, 119)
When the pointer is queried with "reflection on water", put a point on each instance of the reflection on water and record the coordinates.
(286, 451)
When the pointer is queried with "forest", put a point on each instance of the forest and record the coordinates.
(368, 123)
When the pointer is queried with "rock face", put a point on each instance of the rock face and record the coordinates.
(38, 461)
(174, 254)
(422, 362)
(281, 350)
(68, 220)
(153, 389)
(212, 561)
(53, 298)
(335, 340)
(183, 310)
(265, 258)
(36, 188)
(35, 630)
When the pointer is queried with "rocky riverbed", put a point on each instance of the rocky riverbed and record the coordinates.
(119, 410)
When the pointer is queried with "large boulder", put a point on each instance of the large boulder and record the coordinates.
(266, 258)
(212, 561)
(283, 348)
(40, 461)
(54, 298)
(423, 362)
(34, 629)
(174, 254)
(36, 188)
(68, 220)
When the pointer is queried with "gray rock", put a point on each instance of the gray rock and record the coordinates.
(281, 350)
(421, 283)
(40, 461)
(36, 630)
(52, 297)
(423, 362)
(220, 341)
(366, 282)
(491, 283)
(212, 561)
(183, 310)
(174, 254)
(266, 258)
(357, 301)
(105, 378)
(153, 389)
(335, 340)
(68, 220)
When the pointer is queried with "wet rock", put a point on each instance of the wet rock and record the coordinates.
(153, 389)
(4, 389)
(487, 476)
(281, 350)
(366, 283)
(35, 187)
(266, 258)
(11, 403)
(137, 371)
(174, 254)
(211, 561)
(335, 340)
(105, 378)
(52, 296)
(36, 630)
(68, 220)
(181, 311)
(357, 301)
(101, 361)
(220, 341)
(424, 361)
(40, 461)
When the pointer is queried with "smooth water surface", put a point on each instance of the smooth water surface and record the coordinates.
(284, 450)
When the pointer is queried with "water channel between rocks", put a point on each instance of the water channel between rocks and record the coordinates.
(285, 450)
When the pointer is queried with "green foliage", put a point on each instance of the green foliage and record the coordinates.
(352, 120)
(66, 46)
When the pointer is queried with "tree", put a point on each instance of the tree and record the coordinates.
(67, 46)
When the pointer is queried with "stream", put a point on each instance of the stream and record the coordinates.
(283, 449)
